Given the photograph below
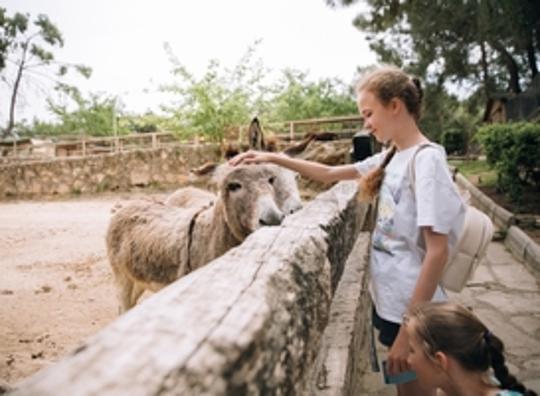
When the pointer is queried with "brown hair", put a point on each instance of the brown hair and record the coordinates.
(370, 183)
(456, 331)
(387, 83)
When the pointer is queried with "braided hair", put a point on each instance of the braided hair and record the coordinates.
(456, 331)
(371, 182)
(496, 353)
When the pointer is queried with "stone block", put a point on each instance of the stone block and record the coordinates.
(512, 302)
(533, 384)
(515, 277)
(524, 248)
(500, 216)
(521, 344)
(124, 169)
(63, 188)
(483, 274)
(498, 253)
(528, 324)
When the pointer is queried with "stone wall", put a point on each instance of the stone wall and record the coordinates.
(108, 172)
(249, 323)
(501, 217)
(522, 246)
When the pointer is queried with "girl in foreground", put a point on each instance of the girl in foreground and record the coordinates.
(451, 349)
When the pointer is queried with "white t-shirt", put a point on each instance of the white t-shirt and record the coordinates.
(398, 248)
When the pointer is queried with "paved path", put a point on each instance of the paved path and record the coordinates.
(506, 296)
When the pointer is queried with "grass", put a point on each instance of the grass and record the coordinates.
(484, 177)
(478, 172)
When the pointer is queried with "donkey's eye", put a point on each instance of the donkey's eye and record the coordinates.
(234, 186)
(271, 180)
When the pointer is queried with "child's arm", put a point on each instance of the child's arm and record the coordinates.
(429, 278)
(310, 169)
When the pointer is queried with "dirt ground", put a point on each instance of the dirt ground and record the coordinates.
(56, 288)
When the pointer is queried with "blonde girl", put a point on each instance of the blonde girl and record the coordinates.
(414, 232)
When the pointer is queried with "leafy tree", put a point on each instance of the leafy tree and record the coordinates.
(25, 51)
(297, 98)
(220, 99)
(97, 115)
(147, 123)
(485, 43)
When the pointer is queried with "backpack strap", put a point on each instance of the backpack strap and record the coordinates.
(412, 168)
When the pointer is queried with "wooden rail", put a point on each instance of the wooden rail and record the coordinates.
(248, 323)
(114, 144)
(77, 146)
(297, 128)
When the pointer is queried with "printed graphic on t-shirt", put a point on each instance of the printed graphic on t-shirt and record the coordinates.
(384, 237)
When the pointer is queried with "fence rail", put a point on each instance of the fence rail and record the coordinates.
(114, 144)
(80, 147)
(287, 130)
(257, 330)
(297, 129)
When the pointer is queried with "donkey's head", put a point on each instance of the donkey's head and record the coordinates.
(248, 197)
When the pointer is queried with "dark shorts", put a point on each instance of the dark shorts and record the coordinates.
(388, 331)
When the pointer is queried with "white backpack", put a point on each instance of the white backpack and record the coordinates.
(472, 244)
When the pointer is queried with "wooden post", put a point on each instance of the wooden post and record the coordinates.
(84, 147)
(291, 131)
(239, 138)
(154, 140)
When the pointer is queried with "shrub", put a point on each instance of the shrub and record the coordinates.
(513, 150)
(454, 141)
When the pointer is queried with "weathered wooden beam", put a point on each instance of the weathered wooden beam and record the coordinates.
(328, 120)
(343, 356)
(250, 322)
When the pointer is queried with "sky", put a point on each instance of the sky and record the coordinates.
(123, 42)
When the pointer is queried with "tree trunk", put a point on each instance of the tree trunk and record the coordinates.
(485, 75)
(531, 58)
(511, 66)
(11, 122)
(537, 32)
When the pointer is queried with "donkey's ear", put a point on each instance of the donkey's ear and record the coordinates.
(255, 135)
(296, 149)
(206, 169)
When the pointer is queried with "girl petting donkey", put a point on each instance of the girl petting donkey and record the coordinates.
(414, 232)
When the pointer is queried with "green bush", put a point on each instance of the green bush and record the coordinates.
(454, 141)
(513, 149)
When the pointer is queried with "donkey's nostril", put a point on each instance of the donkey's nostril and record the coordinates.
(271, 219)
